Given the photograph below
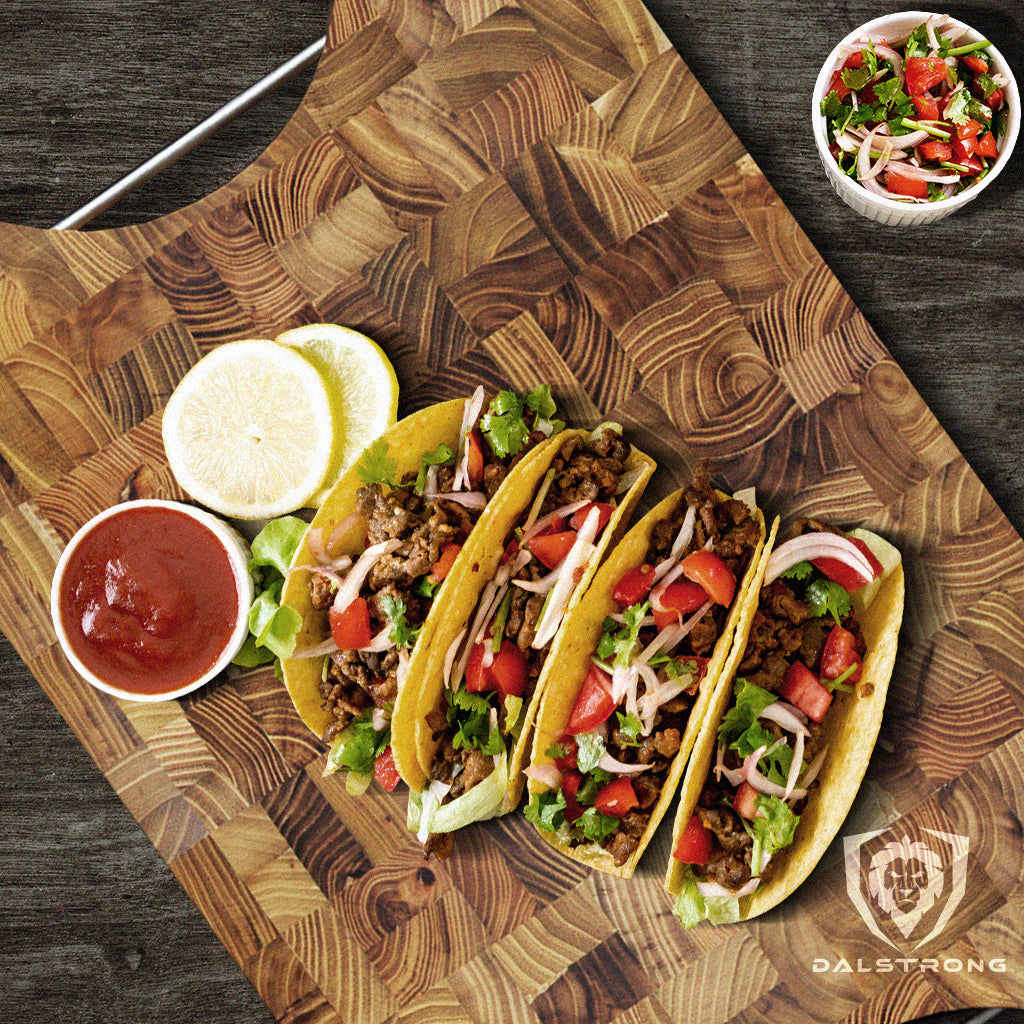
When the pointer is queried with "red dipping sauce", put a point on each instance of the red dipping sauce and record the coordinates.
(148, 599)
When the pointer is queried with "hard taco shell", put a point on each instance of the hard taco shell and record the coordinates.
(569, 663)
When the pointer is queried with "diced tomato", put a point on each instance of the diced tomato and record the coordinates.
(506, 673)
(994, 100)
(839, 572)
(350, 627)
(568, 759)
(384, 770)
(593, 705)
(839, 654)
(580, 515)
(475, 463)
(633, 585)
(963, 148)
(707, 569)
(745, 801)
(972, 165)
(987, 146)
(927, 107)
(617, 799)
(444, 564)
(977, 64)
(971, 129)
(694, 846)
(802, 688)
(923, 73)
(570, 784)
(855, 60)
(900, 185)
(701, 666)
(935, 150)
(679, 599)
(551, 548)
(838, 86)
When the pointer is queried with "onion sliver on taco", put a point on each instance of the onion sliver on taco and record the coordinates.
(779, 761)
(636, 668)
(373, 571)
(472, 709)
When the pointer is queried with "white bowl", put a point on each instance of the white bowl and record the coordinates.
(237, 553)
(894, 28)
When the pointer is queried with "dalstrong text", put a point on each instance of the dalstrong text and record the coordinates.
(888, 965)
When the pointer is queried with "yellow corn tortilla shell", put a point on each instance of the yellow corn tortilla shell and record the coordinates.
(407, 441)
(425, 692)
(569, 664)
(850, 730)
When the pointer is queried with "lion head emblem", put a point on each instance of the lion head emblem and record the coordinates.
(905, 879)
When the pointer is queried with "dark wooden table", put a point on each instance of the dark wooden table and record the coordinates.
(93, 927)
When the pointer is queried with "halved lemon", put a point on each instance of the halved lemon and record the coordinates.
(361, 384)
(249, 431)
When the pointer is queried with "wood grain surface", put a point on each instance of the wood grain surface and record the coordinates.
(490, 189)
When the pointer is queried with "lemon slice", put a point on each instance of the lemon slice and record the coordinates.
(249, 430)
(361, 384)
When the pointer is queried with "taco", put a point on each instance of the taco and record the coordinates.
(637, 666)
(472, 709)
(779, 762)
(374, 569)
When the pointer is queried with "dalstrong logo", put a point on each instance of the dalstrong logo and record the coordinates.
(906, 881)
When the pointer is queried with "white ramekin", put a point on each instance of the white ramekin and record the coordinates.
(238, 555)
(894, 28)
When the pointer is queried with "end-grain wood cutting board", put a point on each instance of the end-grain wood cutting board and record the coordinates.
(511, 192)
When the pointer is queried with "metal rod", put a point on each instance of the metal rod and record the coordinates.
(176, 150)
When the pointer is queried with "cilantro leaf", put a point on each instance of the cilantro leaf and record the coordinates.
(800, 571)
(471, 713)
(857, 78)
(629, 728)
(593, 782)
(620, 642)
(826, 597)
(832, 106)
(442, 455)
(503, 425)
(589, 748)
(425, 587)
(748, 703)
(772, 828)
(375, 466)
(541, 402)
(958, 107)
(402, 634)
(596, 825)
(557, 750)
(917, 43)
(546, 810)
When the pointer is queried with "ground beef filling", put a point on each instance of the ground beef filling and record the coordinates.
(735, 533)
(584, 469)
(782, 630)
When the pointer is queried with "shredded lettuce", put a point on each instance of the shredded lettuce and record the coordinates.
(589, 749)
(272, 628)
(485, 800)
(357, 747)
(691, 908)
(772, 828)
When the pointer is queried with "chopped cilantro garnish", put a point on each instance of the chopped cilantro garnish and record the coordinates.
(557, 750)
(546, 810)
(589, 748)
(826, 597)
(800, 571)
(591, 785)
(402, 634)
(958, 107)
(618, 643)
(504, 424)
(376, 466)
(471, 713)
(425, 586)
(442, 455)
(357, 747)
(748, 702)
(596, 825)
(629, 728)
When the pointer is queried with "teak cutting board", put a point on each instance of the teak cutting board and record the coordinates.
(508, 193)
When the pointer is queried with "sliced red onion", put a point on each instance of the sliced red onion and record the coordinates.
(812, 770)
(783, 714)
(647, 620)
(711, 890)
(321, 570)
(929, 29)
(908, 170)
(559, 513)
(449, 658)
(327, 646)
(475, 500)
(865, 169)
(349, 590)
(733, 775)
(479, 621)
(579, 554)
(381, 718)
(891, 55)
(624, 680)
(663, 584)
(381, 642)
(430, 484)
(1001, 80)
(809, 546)
(795, 765)
(544, 584)
(471, 410)
(538, 501)
(404, 661)
(647, 705)
(610, 764)
(909, 140)
(671, 635)
(315, 542)
(546, 774)
(342, 528)
(761, 782)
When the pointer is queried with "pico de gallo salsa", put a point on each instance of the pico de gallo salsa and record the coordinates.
(917, 121)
